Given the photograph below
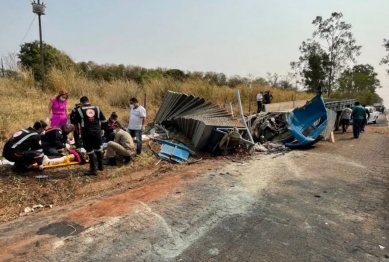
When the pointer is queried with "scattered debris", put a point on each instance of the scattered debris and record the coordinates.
(28, 210)
(173, 152)
(39, 177)
(381, 247)
(260, 148)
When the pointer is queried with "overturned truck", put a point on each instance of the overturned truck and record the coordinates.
(212, 127)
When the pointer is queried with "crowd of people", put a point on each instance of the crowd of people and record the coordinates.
(360, 116)
(49, 139)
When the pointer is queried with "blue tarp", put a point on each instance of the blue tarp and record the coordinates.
(307, 123)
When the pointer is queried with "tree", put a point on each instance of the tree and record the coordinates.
(329, 52)
(361, 78)
(385, 60)
(339, 42)
(30, 58)
(283, 82)
(313, 66)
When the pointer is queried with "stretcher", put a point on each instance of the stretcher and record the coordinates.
(65, 162)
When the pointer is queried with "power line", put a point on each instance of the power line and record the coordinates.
(28, 30)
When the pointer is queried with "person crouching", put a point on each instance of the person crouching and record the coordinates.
(55, 138)
(123, 145)
(24, 147)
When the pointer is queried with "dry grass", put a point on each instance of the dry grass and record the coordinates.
(23, 103)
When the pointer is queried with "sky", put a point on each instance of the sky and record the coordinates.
(233, 37)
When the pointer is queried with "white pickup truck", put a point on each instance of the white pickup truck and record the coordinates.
(373, 114)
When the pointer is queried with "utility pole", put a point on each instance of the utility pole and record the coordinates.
(39, 9)
(2, 67)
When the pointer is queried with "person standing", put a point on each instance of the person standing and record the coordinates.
(58, 110)
(123, 145)
(345, 117)
(137, 122)
(259, 102)
(358, 114)
(24, 147)
(92, 121)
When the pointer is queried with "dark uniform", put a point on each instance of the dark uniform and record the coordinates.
(91, 120)
(77, 129)
(108, 130)
(24, 148)
(53, 140)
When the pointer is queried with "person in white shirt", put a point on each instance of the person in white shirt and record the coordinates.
(345, 117)
(259, 101)
(137, 122)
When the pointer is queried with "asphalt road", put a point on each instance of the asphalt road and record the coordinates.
(329, 203)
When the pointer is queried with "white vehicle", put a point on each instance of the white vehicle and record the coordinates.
(373, 114)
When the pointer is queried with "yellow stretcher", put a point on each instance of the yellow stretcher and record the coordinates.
(66, 162)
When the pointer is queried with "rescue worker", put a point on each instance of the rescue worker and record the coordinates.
(55, 138)
(77, 130)
(24, 147)
(123, 145)
(110, 127)
(92, 121)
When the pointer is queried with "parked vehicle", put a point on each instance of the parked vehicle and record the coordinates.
(373, 114)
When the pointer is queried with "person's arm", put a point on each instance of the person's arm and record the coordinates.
(103, 120)
(117, 138)
(36, 144)
(341, 114)
(143, 116)
(58, 142)
(120, 125)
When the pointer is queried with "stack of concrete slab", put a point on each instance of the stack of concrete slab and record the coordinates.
(194, 116)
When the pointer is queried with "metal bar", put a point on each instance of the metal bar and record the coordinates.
(232, 111)
(242, 116)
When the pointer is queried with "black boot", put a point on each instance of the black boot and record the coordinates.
(19, 168)
(126, 159)
(92, 166)
(99, 156)
(111, 162)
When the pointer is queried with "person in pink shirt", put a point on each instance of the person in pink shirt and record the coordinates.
(58, 110)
